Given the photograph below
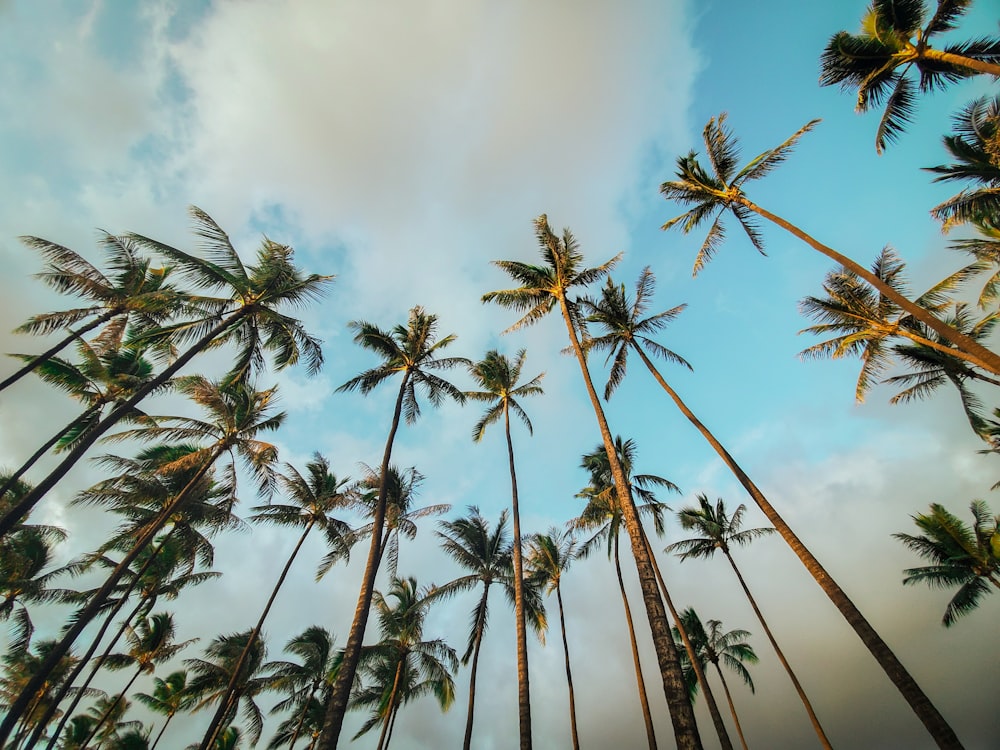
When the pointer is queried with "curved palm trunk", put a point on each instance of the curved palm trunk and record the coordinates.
(383, 739)
(216, 726)
(732, 706)
(333, 719)
(97, 601)
(569, 674)
(678, 702)
(18, 511)
(781, 657)
(162, 730)
(523, 696)
(302, 718)
(939, 729)
(967, 348)
(480, 629)
(713, 707)
(643, 698)
(980, 66)
(109, 709)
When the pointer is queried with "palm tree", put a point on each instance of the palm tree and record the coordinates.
(713, 195)
(401, 665)
(710, 195)
(714, 646)
(894, 39)
(543, 288)
(308, 683)
(313, 501)
(109, 720)
(238, 414)
(251, 316)
(549, 557)
(412, 351)
(719, 531)
(497, 377)
(867, 320)
(968, 558)
(170, 697)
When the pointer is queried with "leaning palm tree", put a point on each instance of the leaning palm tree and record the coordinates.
(412, 351)
(314, 500)
(895, 38)
(308, 684)
(713, 646)
(110, 723)
(497, 378)
(710, 195)
(719, 531)
(170, 697)
(968, 558)
(549, 557)
(543, 288)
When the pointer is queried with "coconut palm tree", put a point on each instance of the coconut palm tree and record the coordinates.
(713, 646)
(412, 351)
(251, 316)
(960, 556)
(497, 378)
(170, 697)
(710, 195)
(895, 38)
(718, 532)
(314, 500)
(308, 684)
(548, 558)
(402, 666)
(543, 288)
(109, 720)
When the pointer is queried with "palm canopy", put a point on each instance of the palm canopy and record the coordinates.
(960, 556)
(549, 555)
(306, 682)
(498, 377)
(894, 39)
(714, 645)
(718, 529)
(625, 327)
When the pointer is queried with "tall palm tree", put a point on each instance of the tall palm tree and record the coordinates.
(549, 557)
(719, 531)
(413, 352)
(866, 321)
(308, 684)
(401, 665)
(251, 316)
(238, 413)
(710, 195)
(713, 646)
(968, 558)
(109, 720)
(170, 697)
(895, 38)
(313, 501)
(543, 288)
(497, 378)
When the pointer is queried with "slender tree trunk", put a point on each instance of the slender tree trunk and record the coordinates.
(569, 674)
(392, 727)
(936, 725)
(383, 737)
(109, 709)
(967, 348)
(643, 699)
(713, 707)
(160, 733)
(18, 511)
(781, 657)
(215, 726)
(678, 702)
(732, 706)
(480, 629)
(302, 719)
(333, 719)
(980, 66)
(523, 692)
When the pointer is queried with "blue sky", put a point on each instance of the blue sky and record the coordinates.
(402, 148)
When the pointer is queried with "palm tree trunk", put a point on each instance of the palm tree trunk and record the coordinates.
(678, 702)
(302, 718)
(18, 511)
(216, 725)
(480, 629)
(939, 729)
(781, 657)
(523, 692)
(88, 612)
(643, 698)
(160, 733)
(333, 719)
(383, 736)
(967, 348)
(109, 709)
(980, 66)
(732, 706)
(569, 674)
(713, 707)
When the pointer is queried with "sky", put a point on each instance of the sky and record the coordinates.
(404, 146)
